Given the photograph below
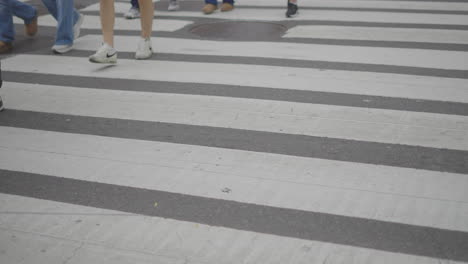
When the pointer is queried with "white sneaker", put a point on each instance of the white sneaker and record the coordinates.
(132, 13)
(105, 54)
(60, 49)
(144, 49)
(173, 5)
(77, 26)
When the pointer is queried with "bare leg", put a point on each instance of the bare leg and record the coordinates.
(107, 21)
(147, 13)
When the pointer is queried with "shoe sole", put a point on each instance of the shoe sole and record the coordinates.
(62, 51)
(108, 61)
(293, 16)
(209, 13)
(131, 17)
(143, 58)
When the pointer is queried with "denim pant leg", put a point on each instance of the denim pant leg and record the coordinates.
(135, 4)
(7, 31)
(215, 2)
(66, 16)
(23, 11)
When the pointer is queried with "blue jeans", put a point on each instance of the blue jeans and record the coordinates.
(135, 4)
(66, 16)
(215, 2)
(8, 8)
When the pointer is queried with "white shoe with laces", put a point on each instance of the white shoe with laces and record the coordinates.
(105, 54)
(132, 13)
(173, 5)
(144, 49)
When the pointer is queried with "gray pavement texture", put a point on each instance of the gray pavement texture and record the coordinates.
(246, 138)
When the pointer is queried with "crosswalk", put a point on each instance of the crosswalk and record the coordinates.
(345, 140)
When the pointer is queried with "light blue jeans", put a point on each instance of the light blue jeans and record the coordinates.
(66, 16)
(10, 8)
(215, 2)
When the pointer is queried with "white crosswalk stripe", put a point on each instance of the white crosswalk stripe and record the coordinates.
(207, 153)
(379, 34)
(273, 77)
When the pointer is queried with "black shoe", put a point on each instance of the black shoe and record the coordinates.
(292, 10)
(1, 104)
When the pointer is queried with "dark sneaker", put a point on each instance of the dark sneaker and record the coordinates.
(1, 104)
(292, 10)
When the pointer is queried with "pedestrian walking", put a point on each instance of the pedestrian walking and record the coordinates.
(8, 9)
(212, 5)
(107, 53)
(292, 8)
(68, 24)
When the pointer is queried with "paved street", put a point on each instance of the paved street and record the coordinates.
(337, 136)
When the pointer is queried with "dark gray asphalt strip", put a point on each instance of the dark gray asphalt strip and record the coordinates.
(183, 34)
(292, 22)
(445, 160)
(323, 65)
(351, 231)
(161, 9)
(300, 96)
(363, 9)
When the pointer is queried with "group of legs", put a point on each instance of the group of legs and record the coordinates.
(107, 53)
(209, 8)
(68, 22)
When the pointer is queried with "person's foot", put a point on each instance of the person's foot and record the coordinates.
(31, 28)
(105, 54)
(1, 104)
(132, 13)
(173, 5)
(144, 49)
(227, 7)
(292, 10)
(209, 9)
(5, 47)
(77, 27)
(60, 49)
